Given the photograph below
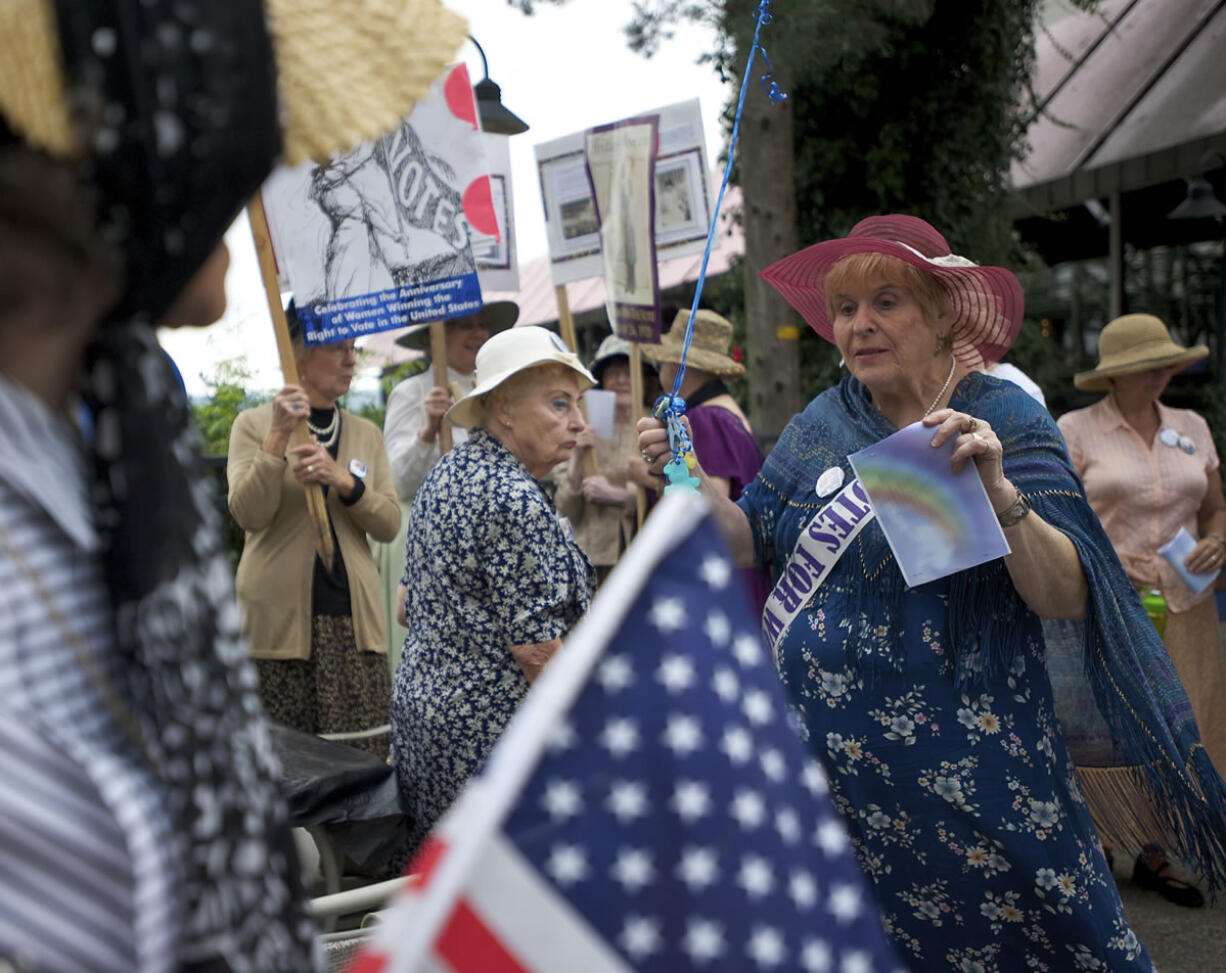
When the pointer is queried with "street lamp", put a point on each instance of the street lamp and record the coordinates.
(496, 118)
(1201, 203)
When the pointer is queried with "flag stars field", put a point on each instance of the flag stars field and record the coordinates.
(802, 889)
(633, 869)
(757, 707)
(748, 809)
(737, 744)
(726, 685)
(667, 615)
(676, 673)
(562, 799)
(615, 673)
(787, 823)
(682, 734)
(718, 629)
(716, 572)
(698, 868)
(756, 876)
(704, 940)
(844, 903)
(691, 800)
(830, 838)
(748, 650)
(568, 864)
(627, 800)
(766, 947)
(641, 937)
(620, 736)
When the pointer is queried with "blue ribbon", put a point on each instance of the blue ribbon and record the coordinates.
(670, 408)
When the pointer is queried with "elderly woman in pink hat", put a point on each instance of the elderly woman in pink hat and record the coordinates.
(930, 707)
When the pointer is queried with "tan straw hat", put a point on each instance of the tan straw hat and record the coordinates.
(1135, 343)
(346, 71)
(507, 354)
(708, 349)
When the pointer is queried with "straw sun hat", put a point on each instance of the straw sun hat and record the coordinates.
(1135, 343)
(709, 348)
(345, 72)
(986, 302)
(497, 315)
(508, 354)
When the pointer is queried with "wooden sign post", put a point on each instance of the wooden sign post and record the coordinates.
(316, 505)
(636, 413)
(438, 364)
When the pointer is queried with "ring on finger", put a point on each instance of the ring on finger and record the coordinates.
(971, 424)
(311, 468)
(647, 457)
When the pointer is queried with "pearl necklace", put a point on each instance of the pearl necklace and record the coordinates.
(326, 435)
(949, 378)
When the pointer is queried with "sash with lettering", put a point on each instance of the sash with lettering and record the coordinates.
(826, 538)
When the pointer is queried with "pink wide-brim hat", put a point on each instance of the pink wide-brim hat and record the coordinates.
(986, 302)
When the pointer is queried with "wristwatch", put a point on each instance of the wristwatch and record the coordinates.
(1016, 512)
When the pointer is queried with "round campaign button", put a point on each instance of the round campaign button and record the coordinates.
(357, 468)
(1186, 444)
(829, 481)
(1169, 437)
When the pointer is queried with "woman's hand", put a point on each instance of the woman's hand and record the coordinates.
(976, 440)
(289, 407)
(314, 464)
(597, 489)
(587, 438)
(653, 443)
(636, 472)
(438, 400)
(1207, 556)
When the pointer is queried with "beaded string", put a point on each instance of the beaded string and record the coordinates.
(670, 408)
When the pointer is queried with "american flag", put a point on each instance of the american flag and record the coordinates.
(650, 807)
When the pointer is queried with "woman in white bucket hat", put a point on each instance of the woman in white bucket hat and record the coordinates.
(493, 577)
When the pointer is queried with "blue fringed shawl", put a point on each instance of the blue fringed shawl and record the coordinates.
(1130, 674)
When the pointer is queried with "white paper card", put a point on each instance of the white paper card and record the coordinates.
(1176, 551)
(600, 403)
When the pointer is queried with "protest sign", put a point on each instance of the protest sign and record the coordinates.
(682, 202)
(620, 162)
(936, 522)
(379, 237)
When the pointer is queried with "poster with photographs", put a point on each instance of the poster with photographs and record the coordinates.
(379, 238)
(682, 194)
(620, 162)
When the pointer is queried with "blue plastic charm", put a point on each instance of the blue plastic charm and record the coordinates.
(677, 473)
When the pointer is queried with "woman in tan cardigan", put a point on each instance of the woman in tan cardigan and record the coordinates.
(317, 637)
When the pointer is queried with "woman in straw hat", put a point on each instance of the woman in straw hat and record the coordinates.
(931, 706)
(140, 824)
(493, 575)
(601, 506)
(722, 435)
(1150, 471)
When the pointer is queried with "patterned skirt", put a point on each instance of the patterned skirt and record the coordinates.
(337, 690)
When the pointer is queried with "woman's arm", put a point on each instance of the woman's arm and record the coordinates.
(254, 474)
(1210, 551)
(532, 658)
(653, 442)
(1044, 565)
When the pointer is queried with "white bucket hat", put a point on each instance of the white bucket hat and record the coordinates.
(508, 353)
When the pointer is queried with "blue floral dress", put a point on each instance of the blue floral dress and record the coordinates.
(949, 768)
(488, 565)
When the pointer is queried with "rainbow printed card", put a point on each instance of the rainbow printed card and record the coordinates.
(935, 522)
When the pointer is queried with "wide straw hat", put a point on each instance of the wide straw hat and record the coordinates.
(346, 71)
(1135, 343)
(507, 354)
(497, 315)
(986, 302)
(708, 349)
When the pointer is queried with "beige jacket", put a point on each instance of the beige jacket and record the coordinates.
(602, 531)
(276, 569)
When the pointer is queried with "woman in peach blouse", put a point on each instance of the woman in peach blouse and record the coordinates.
(1149, 470)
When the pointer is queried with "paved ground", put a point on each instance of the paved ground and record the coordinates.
(1179, 940)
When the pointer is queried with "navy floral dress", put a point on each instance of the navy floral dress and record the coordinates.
(489, 564)
(943, 750)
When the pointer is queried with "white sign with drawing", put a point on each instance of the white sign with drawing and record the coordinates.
(384, 236)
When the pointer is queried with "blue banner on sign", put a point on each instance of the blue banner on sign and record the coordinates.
(324, 322)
